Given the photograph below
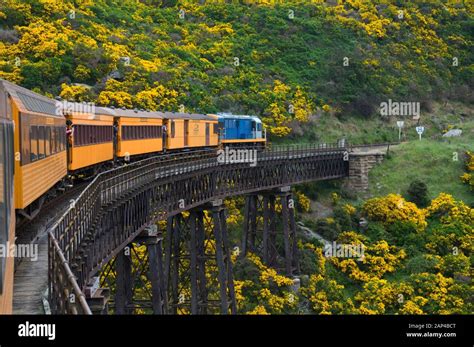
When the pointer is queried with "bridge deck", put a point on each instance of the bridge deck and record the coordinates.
(31, 281)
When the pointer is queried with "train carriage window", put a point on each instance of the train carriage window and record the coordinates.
(25, 139)
(62, 139)
(41, 142)
(3, 199)
(83, 134)
(100, 134)
(59, 132)
(6, 187)
(94, 134)
(54, 140)
(84, 137)
(77, 135)
(34, 143)
(3, 184)
(172, 128)
(215, 128)
(47, 143)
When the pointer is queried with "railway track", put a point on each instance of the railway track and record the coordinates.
(29, 231)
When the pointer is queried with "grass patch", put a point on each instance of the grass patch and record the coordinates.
(432, 161)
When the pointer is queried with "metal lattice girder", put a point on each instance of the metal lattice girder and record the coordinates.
(194, 243)
(261, 224)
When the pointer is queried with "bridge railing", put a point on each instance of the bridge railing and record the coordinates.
(65, 295)
(75, 225)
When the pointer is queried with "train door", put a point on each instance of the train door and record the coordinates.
(186, 133)
(207, 134)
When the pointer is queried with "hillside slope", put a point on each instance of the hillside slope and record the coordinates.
(287, 63)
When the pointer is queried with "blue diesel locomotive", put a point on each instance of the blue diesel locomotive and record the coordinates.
(241, 130)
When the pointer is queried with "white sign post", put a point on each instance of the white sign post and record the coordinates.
(400, 126)
(420, 130)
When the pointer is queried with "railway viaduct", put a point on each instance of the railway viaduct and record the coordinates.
(170, 203)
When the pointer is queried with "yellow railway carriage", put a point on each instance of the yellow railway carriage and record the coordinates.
(90, 139)
(40, 146)
(7, 194)
(190, 130)
(138, 132)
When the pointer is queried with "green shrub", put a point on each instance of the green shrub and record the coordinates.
(418, 193)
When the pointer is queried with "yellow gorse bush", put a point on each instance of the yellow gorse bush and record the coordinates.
(393, 208)
(303, 201)
(378, 259)
(449, 210)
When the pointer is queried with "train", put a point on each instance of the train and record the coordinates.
(47, 145)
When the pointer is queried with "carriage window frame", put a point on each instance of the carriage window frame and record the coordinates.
(90, 135)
